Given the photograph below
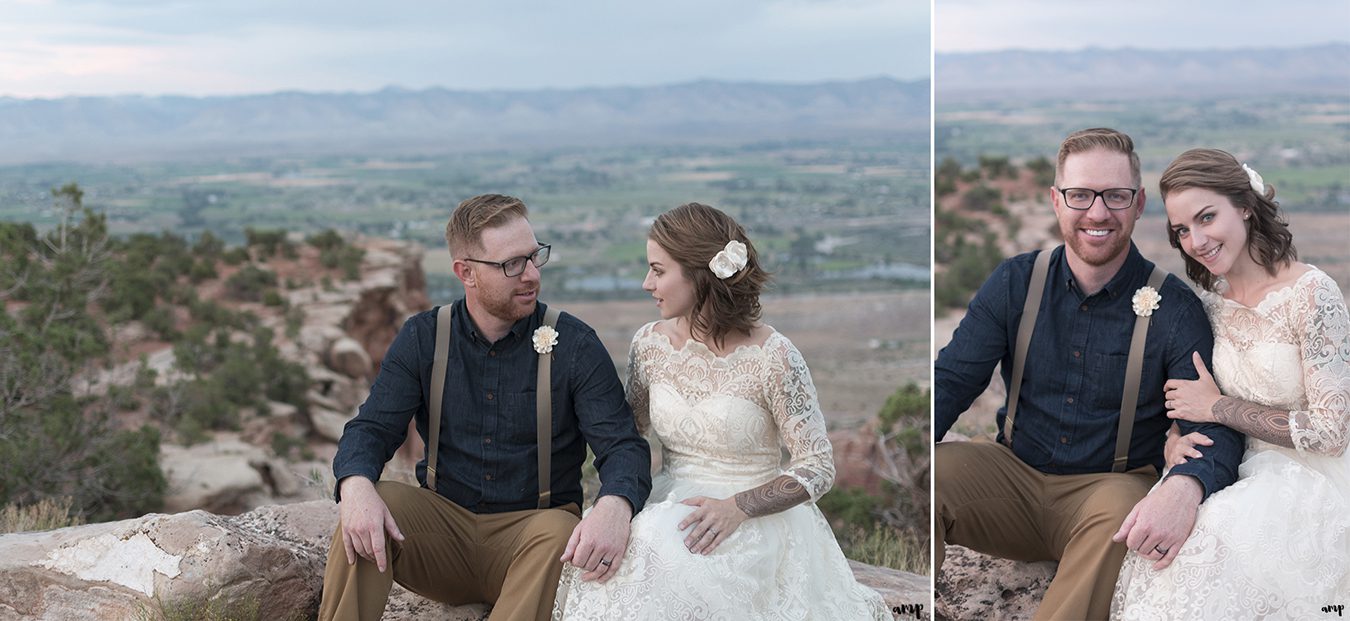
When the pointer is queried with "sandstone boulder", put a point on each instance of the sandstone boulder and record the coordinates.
(327, 423)
(348, 357)
(217, 475)
(269, 560)
(856, 451)
(266, 560)
(974, 586)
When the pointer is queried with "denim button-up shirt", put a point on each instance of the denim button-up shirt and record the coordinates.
(1069, 407)
(488, 451)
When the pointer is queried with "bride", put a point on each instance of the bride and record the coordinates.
(729, 532)
(1276, 543)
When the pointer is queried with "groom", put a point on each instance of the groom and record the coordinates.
(479, 536)
(1053, 495)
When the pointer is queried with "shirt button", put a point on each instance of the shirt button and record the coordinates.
(1078, 354)
(487, 477)
(487, 440)
(1064, 439)
(489, 396)
(492, 353)
(1070, 399)
(1083, 307)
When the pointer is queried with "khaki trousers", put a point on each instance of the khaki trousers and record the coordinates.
(992, 502)
(451, 555)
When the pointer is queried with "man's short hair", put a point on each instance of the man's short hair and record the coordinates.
(464, 231)
(1085, 140)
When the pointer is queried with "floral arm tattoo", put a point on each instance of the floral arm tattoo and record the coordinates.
(1258, 421)
(777, 495)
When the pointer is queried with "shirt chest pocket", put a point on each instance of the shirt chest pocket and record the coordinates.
(1105, 382)
(517, 418)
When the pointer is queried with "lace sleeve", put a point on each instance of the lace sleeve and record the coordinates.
(635, 389)
(801, 424)
(1324, 427)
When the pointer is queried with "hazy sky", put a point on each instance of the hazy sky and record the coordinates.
(51, 48)
(985, 25)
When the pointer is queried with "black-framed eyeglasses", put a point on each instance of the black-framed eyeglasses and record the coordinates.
(516, 266)
(1081, 199)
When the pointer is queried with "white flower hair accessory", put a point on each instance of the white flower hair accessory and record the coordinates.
(1257, 182)
(729, 260)
(544, 339)
(1145, 301)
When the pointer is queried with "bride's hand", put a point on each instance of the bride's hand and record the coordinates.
(1179, 448)
(1192, 400)
(713, 521)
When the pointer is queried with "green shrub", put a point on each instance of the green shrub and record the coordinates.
(202, 269)
(269, 242)
(208, 247)
(235, 256)
(1042, 170)
(53, 444)
(160, 321)
(272, 297)
(326, 240)
(981, 198)
(249, 283)
(851, 507)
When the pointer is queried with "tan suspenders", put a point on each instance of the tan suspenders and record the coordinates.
(543, 403)
(1035, 289)
(1133, 365)
(543, 406)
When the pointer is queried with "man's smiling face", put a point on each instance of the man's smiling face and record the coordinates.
(1097, 235)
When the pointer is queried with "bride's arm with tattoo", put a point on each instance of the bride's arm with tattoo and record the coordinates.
(1320, 426)
(1200, 401)
(777, 495)
(1258, 421)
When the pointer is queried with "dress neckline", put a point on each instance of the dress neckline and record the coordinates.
(695, 347)
(1272, 297)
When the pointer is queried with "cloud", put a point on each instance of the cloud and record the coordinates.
(200, 47)
(986, 25)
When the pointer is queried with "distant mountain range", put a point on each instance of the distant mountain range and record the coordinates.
(438, 120)
(1101, 74)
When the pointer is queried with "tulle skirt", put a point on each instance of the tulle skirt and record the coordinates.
(1275, 544)
(777, 567)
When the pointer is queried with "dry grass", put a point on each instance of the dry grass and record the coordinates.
(887, 547)
(46, 514)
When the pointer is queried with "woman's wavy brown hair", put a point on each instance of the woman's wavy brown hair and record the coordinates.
(692, 235)
(1269, 242)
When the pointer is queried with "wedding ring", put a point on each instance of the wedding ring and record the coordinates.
(714, 531)
(1160, 550)
(604, 562)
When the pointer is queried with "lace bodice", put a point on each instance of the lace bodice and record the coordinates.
(728, 417)
(1292, 352)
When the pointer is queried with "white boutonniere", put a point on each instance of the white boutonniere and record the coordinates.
(544, 339)
(1146, 300)
(729, 260)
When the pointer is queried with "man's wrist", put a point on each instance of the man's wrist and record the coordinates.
(1186, 484)
(619, 503)
(346, 484)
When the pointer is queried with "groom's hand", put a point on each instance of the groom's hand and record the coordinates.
(1160, 523)
(597, 544)
(364, 520)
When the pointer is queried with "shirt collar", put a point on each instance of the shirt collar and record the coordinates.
(1123, 282)
(519, 329)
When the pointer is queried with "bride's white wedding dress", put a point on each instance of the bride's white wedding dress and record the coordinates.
(1275, 544)
(722, 423)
